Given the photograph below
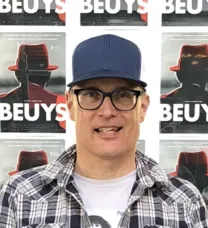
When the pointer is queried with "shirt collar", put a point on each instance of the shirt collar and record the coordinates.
(149, 172)
(61, 169)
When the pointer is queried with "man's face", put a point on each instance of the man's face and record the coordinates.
(96, 130)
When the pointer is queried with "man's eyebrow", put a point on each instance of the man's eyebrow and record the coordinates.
(124, 87)
(128, 87)
(88, 87)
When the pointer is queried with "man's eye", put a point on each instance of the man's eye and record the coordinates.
(89, 93)
(124, 93)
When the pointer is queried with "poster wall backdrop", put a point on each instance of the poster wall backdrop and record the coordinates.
(37, 40)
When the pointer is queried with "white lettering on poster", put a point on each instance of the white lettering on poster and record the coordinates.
(181, 112)
(20, 111)
(100, 6)
(183, 6)
(17, 6)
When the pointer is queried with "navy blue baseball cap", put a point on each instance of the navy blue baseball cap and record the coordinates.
(106, 56)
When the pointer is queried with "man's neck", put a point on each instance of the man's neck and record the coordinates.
(95, 167)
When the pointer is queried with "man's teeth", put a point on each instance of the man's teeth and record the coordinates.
(107, 129)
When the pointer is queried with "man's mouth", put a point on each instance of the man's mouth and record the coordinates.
(108, 129)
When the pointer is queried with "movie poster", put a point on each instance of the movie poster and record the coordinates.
(140, 145)
(32, 12)
(187, 159)
(114, 13)
(184, 83)
(185, 13)
(32, 82)
(23, 154)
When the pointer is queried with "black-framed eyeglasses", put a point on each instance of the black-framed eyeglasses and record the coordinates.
(122, 99)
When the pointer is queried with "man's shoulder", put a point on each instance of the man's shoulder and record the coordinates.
(26, 181)
(182, 191)
(35, 182)
(175, 189)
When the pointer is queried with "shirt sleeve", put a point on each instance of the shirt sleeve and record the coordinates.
(200, 214)
(7, 208)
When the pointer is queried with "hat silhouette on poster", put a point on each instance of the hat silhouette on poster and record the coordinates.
(193, 166)
(37, 58)
(192, 57)
(30, 159)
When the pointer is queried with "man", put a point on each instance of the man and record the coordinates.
(33, 74)
(103, 174)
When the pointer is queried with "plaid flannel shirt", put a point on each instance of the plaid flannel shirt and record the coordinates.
(47, 197)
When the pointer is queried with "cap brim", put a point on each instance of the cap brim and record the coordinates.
(50, 67)
(106, 74)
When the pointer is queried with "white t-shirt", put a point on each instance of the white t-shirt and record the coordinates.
(105, 200)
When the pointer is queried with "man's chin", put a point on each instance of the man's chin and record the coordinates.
(108, 152)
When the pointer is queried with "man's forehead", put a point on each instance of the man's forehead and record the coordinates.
(108, 82)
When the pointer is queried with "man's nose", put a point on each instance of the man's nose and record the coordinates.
(107, 109)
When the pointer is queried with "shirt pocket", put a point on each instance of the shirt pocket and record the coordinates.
(30, 211)
(33, 214)
(49, 225)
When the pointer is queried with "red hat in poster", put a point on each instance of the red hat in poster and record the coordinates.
(192, 160)
(192, 57)
(193, 167)
(30, 159)
(62, 16)
(37, 58)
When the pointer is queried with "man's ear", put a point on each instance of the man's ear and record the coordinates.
(145, 101)
(70, 105)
